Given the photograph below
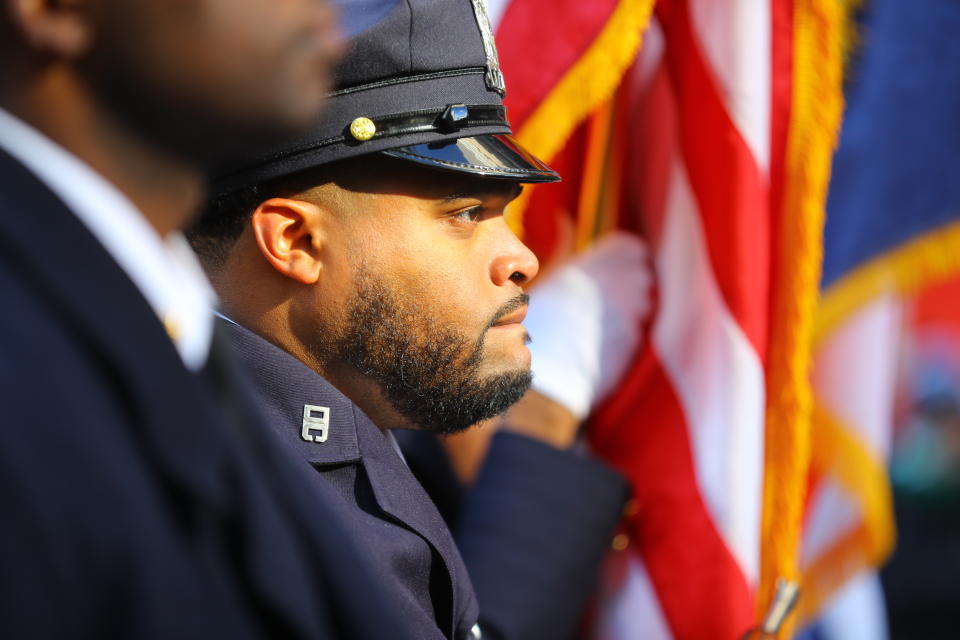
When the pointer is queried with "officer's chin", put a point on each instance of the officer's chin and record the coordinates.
(508, 357)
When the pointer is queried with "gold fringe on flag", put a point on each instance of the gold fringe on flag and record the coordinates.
(816, 110)
(838, 453)
(928, 259)
(585, 86)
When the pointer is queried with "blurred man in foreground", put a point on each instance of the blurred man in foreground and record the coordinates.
(371, 283)
(141, 499)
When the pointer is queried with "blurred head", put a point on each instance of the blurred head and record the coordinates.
(399, 283)
(197, 78)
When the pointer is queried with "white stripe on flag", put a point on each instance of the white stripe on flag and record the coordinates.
(633, 612)
(832, 515)
(717, 375)
(736, 39)
(856, 370)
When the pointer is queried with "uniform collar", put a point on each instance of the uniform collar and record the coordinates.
(298, 401)
(164, 270)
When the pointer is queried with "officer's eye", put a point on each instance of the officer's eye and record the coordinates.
(468, 216)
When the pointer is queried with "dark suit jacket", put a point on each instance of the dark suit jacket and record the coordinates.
(131, 506)
(386, 509)
(533, 529)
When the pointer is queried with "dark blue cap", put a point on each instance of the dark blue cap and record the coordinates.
(421, 82)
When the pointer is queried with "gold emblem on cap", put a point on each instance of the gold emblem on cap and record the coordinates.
(362, 129)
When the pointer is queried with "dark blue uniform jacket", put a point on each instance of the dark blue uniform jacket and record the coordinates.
(533, 530)
(386, 509)
(139, 500)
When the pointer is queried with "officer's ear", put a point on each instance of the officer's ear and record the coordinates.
(57, 28)
(289, 235)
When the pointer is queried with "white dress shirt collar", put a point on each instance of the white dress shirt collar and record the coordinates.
(165, 270)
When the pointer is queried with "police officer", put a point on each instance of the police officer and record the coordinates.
(370, 282)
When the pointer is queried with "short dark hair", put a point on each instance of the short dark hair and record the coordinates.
(221, 223)
(223, 218)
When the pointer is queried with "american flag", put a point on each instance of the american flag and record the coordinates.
(712, 140)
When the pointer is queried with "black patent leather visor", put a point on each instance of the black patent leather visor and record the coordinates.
(493, 156)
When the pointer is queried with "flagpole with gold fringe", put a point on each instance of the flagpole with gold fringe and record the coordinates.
(819, 28)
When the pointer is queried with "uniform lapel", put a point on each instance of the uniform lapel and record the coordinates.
(401, 496)
(49, 247)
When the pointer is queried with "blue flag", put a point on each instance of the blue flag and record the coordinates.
(896, 173)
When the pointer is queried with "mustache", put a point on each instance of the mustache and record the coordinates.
(511, 305)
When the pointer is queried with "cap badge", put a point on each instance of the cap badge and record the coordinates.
(493, 77)
(316, 423)
(362, 129)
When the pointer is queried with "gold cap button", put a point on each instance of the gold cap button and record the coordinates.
(362, 129)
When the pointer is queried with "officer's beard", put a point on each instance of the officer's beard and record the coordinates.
(430, 374)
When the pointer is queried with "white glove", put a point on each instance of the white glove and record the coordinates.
(585, 321)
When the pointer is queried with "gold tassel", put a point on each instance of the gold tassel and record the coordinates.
(816, 110)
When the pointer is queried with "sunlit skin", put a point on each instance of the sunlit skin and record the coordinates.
(445, 243)
(439, 240)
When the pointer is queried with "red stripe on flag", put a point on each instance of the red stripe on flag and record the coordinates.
(539, 41)
(548, 221)
(781, 90)
(642, 432)
(731, 194)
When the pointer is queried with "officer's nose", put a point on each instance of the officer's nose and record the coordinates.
(514, 262)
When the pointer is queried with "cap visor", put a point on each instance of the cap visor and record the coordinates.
(494, 156)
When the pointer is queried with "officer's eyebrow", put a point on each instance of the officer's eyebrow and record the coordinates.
(478, 191)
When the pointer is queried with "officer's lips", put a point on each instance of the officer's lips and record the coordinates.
(513, 319)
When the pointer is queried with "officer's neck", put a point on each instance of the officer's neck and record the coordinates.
(367, 395)
(166, 190)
